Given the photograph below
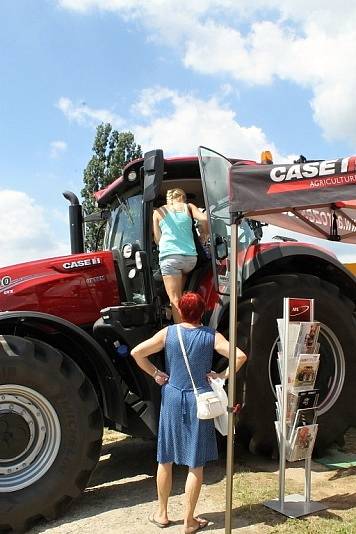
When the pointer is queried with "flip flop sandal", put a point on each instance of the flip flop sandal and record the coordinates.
(152, 520)
(202, 524)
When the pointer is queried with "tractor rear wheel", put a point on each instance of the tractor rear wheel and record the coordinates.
(50, 432)
(337, 370)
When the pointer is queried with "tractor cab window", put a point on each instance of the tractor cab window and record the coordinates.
(125, 237)
(125, 225)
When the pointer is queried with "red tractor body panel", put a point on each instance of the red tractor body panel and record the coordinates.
(74, 287)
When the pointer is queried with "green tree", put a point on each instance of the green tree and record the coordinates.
(111, 151)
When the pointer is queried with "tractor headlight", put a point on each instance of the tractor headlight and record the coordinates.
(132, 176)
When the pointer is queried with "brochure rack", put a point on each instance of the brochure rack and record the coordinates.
(296, 427)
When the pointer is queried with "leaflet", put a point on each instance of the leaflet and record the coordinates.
(302, 442)
(305, 372)
(302, 337)
(297, 400)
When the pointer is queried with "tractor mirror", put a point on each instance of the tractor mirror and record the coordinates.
(153, 168)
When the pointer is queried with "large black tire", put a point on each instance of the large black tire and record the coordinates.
(35, 375)
(262, 305)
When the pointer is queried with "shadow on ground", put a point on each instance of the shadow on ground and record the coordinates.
(125, 475)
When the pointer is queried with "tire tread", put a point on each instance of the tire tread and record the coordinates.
(41, 352)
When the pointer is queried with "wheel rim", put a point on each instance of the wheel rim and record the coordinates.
(30, 436)
(331, 373)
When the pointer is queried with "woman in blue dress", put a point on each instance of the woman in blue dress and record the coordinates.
(184, 439)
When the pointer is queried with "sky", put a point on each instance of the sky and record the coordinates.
(239, 76)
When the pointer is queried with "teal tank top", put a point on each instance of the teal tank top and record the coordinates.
(176, 235)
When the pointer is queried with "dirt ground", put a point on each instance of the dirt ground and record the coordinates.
(122, 493)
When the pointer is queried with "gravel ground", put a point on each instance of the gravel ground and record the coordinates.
(122, 493)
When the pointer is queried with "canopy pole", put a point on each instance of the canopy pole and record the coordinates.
(232, 374)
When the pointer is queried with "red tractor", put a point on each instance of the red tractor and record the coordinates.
(67, 325)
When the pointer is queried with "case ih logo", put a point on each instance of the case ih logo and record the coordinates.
(313, 175)
(81, 263)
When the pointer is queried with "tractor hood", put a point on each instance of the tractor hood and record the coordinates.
(74, 287)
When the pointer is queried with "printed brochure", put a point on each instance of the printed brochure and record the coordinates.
(302, 337)
(297, 400)
(302, 442)
(305, 372)
(307, 338)
(304, 418)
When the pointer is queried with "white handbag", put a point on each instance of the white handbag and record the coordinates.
(221, 422)
(209, 405)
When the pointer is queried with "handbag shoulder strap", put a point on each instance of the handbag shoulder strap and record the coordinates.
(186, 358)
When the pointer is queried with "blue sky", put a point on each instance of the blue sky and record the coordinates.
(238, 76)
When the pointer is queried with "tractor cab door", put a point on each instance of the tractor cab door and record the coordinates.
(214, 169)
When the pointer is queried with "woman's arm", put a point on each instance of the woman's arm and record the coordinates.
(199, 216)
(147, 348)
(196, 213)
(222, 346)
(156, 227)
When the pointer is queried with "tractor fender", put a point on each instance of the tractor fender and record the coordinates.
(78, 345)
(273, 259)
(263, 260)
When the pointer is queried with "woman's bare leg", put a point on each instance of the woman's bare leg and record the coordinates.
(164, 486)
(192, 491)
(173, 286)
(184, 279)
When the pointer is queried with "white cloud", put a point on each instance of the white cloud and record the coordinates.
(25, 234)
(181, 122)
(87, 116)
(343, 251)
(57, 148)
(308, 42)
(86, 5)
(61, 215)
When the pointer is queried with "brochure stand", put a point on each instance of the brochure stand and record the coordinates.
(296, 407)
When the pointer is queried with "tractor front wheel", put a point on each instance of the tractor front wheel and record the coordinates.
(50, 432)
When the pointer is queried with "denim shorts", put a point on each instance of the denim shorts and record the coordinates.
(177, 264)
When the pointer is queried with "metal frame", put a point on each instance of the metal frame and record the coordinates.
(232, 373)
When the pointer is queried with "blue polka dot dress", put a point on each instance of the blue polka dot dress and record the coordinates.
(183, 438)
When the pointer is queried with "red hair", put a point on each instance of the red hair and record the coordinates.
(191, 307)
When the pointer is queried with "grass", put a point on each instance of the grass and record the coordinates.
(316, 525)
(252, 489)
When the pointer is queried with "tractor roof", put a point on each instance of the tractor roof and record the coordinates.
(175, 168)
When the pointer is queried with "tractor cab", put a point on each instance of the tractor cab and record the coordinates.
(129, 234)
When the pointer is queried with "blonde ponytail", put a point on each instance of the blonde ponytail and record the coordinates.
(173, 194)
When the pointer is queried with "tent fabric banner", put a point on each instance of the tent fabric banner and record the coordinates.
(311, 198)
(326, 222)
